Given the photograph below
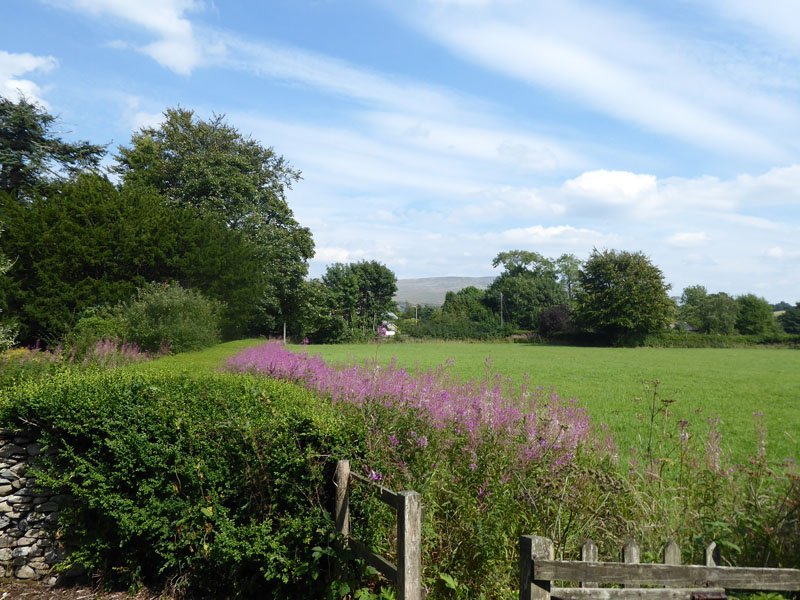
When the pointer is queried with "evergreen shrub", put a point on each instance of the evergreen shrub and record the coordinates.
(216, 485)
(166, 314)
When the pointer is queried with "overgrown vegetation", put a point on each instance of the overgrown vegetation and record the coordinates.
(31, 364)
(493, 460)
(220, 485)
(726, 382)
(169, 315)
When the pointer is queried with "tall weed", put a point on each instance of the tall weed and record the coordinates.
(492, 461)
(19, 364)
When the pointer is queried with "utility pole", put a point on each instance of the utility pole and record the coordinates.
(501, 310)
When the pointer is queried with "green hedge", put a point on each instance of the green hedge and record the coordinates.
(219, 484)
(676, 339)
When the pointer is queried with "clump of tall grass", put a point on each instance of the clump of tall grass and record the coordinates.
(686, 487)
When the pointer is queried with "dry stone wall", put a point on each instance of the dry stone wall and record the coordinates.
(28, 517)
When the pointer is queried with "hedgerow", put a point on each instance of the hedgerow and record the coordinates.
(215, 485)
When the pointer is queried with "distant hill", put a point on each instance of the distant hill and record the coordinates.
(431, 290)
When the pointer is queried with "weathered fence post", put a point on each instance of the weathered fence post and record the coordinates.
(630, 555)
(672, 556)
(409, 546)
(712, 555)
(532, 548)
(589, 554)
(342, 482)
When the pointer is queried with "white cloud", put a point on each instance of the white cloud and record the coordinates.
(495, 143)
(384, 216)
(503, 202)
(779, 185)
(177, 47)
(332, 255)
(752, 222)
(142, 119)
(357, 161)
(645, 196)
(562, 234)
(628, 67)
(688, 239)
(614, 187)
(12, 66)
(779, 253)
(779, 19)
(133, 117)
(405, 112)
(337, 77)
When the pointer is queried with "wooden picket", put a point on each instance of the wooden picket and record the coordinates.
(538, 571)
(407, 574)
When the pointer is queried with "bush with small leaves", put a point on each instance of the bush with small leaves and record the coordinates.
(166, 314)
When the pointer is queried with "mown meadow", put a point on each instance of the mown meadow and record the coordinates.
(729, 384)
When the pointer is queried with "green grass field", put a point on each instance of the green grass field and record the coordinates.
(730, 384)
(209, 359)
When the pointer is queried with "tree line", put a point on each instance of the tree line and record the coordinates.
(196, 204)
(611, 297)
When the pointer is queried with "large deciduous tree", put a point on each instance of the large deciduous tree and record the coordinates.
(377, 287)
(690, 309)
(790, 320)
(755, 315)
(717, 314)
(357, 296)
(622, 293)
(708, 313)
(528, 285)
(210, 166)
(32, 155)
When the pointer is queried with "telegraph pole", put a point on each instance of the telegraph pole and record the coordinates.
(501, 310)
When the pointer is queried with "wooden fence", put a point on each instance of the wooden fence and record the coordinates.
(538, 570)
(406, 575)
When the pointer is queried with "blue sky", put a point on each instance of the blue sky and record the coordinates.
(433, 134)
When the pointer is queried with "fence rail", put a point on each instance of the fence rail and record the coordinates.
(538, 570)
(406, 575)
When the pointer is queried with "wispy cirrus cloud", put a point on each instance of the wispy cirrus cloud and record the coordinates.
(396, 110)
(778, 20)
(613, 60)
(176, 46)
